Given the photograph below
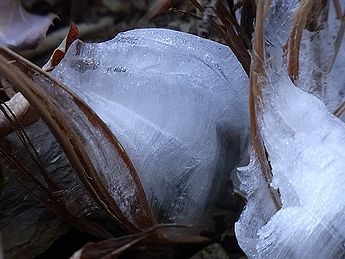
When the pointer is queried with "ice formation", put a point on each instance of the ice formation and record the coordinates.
(321, 66)
(305, 147)
(178, 105)
(305, 144)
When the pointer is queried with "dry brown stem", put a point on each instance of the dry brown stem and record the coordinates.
(258, 80)
(232, 39)
(300, 21)
(310, 14)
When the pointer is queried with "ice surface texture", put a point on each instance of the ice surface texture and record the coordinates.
(178, 105)
(305, 144)
(321, 66)
(305, 147)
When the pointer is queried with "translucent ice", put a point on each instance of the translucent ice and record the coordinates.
(305, 145)
(178, 105)
(304, 142)
(319, 71)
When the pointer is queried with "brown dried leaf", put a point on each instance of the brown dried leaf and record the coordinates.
(59, 52)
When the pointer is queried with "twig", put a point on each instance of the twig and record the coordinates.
(22, 110)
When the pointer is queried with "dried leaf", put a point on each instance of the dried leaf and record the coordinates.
(60, 51)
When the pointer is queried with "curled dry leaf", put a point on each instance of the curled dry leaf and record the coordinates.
(18, 28)
(60, 51)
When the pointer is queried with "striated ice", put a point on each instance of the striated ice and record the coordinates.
(320, 72)
(305, 145)
(278, 26)
(178, 105)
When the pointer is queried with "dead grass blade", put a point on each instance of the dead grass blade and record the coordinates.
(299, 23)
(114, 247)
(258, 80)
(230, 36)
(229, 21)
(75, 126)
(25, 140)
(186, 14)
(340, 110)
(49, 200)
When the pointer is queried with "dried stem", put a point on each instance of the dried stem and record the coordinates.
(24, 138)
(50, 201)
(258, 80)
(186, 14)
(340, 110)
(158, 7)
(231, 38)
(229, 21)
(299, 24)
